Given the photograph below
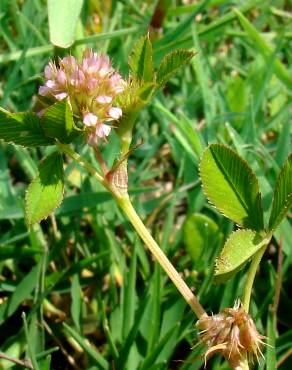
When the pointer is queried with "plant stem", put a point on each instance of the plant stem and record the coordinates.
(126, 205)
(65, 148)
(251, 276)
(25, 363)
(238, 362)
(164, 262)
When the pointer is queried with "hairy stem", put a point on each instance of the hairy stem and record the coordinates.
(126, 205)
(164, 262)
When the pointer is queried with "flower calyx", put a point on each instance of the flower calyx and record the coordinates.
(233, 333)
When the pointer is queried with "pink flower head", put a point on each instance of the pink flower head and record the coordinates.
(90, 86)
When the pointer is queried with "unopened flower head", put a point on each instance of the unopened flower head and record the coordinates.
(231, 332)
(90, 87)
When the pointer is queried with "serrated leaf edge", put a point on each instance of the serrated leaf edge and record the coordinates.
(250, 171)
(265, 240)
(21, 145)
(191, 55)
(144, 38)
(26, 194)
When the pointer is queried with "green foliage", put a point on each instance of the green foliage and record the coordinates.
(22, 129)
(171, 63)
(200, 233)
(45, 193)
(141, 60)
(22, 291)
(282, 200)
(58, 122)
(231, 186)
(238, 249)
(63, 19)
(281, 71)
(91, 239)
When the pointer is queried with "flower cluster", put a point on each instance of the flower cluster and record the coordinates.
(231, 332)
(90, 87)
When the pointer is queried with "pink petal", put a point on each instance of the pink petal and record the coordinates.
(117, 83)
(51, 84)
(61, 77)
(102, 130)
(49, 71)
(104, 99)
(44, 90)
(60, 96)
(115, 113)
(118, 89)
(90, 119)
(92, 83)
(105, 65)
(69, 62)
(77, 78)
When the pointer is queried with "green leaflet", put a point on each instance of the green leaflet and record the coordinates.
(45, 193)
(238, 249)
(63, 18)
(141, 60)
(22, 129)
(58, 122)
(171, 63)
(231, 186)
(282, 200)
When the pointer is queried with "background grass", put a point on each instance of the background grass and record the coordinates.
(82, 281)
